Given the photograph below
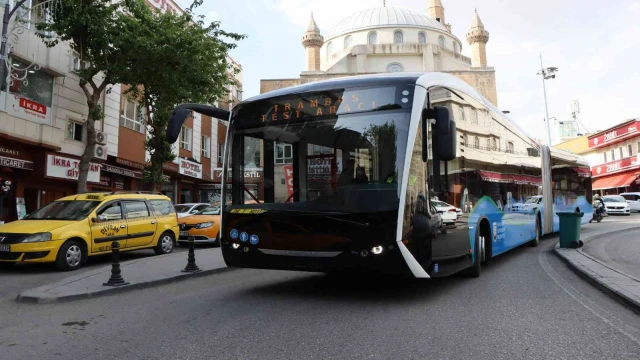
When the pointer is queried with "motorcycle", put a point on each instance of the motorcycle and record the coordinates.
(598, 210)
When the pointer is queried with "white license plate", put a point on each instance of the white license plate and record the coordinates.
(184, 233)
(5, 247)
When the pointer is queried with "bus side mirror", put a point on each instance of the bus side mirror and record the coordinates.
(444, 134)
(177, 119)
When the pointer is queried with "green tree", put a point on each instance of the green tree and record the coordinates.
(100, 32)
(179, 60)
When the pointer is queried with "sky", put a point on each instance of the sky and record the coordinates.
(595, 48)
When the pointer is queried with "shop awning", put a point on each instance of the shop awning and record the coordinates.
(613, 181)
(509, 178)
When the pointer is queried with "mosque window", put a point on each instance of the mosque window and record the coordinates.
(373, 38)
(422, 37)
(348, 41)
(395, 67)
(456, 50)
(329, 48)
(398, 37)
(442, 42)
(474, 116)
(462, 117)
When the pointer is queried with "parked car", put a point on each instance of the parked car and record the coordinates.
(207, 226)
(69, 230)
(532, 203)
(189, 209)
(616, 204)
(448, 212)
(633, 199)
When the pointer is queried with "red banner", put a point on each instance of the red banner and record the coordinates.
(614, 166)
(614, 134)
(288, 178)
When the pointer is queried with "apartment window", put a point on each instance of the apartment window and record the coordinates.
(283, 154)
(76, 63)
(39, 86)
(462, 117)
(75, 131)
(510, 147)
(630, 148)
(476, 142)
(613, 155)
(474, 116)
(206, 146)
(132, 116)
(422, 37)
(220, 153)
(605, 157)
(186, 134)
(398, 37)
(621, 153)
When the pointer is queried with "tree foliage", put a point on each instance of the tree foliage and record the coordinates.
(99, 31)
(180, 59)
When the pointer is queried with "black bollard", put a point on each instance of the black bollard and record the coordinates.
(116, 278)
(191, 262)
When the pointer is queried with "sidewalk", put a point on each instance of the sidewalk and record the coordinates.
(139, 274)
(610, 279)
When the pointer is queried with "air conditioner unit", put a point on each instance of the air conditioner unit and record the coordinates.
(100, 152)
(101, 138)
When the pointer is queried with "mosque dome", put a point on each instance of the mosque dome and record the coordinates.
(382, 17)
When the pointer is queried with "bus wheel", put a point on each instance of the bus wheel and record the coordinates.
(479, 247)
(536, 240)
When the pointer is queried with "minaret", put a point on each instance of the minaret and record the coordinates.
(436, 10)
(478, 37)
(312, 42)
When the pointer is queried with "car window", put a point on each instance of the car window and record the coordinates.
(210, 210)
(136, 209)
(162, 207)
(201, 207)
(112, 211)
(183, 208)
(439, 204)
(64, 210)
(614, 199)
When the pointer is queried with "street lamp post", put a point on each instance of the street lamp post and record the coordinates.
(8, 13)
(548, 73)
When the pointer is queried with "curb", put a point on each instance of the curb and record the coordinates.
(618, 293)
(118, 290)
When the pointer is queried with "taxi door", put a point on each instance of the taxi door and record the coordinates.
(141, 223)
(108, 226)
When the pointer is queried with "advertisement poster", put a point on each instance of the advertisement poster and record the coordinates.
(67, 168)
(21, 208)
(288, 178)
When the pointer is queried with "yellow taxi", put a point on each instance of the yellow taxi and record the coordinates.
(204, 226)
(69, 230)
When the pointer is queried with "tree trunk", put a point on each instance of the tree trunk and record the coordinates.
(89, 150)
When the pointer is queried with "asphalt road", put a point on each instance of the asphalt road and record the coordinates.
(621, 252)
(526, 305)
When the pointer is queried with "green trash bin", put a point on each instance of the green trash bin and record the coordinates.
(570, 223)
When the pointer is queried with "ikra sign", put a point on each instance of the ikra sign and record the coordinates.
(189, 168)
(66, 168)
(27, 109)
(615, 166)
(623, 131)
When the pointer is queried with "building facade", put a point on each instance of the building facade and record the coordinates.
(42, 132)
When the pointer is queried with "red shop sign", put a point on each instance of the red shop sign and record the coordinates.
(614, 166)
(614, 134)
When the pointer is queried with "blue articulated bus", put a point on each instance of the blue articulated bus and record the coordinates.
(405, 173)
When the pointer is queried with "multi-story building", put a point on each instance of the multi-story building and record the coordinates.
(613, 156)
(42, 132)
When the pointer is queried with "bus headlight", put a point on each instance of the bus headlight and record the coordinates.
(377, 250)
(235, 246)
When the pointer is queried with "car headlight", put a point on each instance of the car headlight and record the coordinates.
(204, 225)
(39, 237)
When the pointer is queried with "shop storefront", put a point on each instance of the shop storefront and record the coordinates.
(617, 176)
(170, 184)
(15, 165)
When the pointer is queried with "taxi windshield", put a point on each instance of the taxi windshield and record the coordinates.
(210, 210)
(64, 210)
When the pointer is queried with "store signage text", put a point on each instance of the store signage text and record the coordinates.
(33, 106)
(614, 134)
(288, 178)
(9, 151)
(128, 163)
(15, 163)
(614, 166)
(249, 174)
(27, 109)
(123, 172)
(190, 168)
(66, 168)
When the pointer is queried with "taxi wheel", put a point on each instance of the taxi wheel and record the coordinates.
(165, 245)
(70, 256)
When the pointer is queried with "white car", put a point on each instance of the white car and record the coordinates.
(616, 204)
(449, 213)
(189, 209)
(633, 199)
(532, 203)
